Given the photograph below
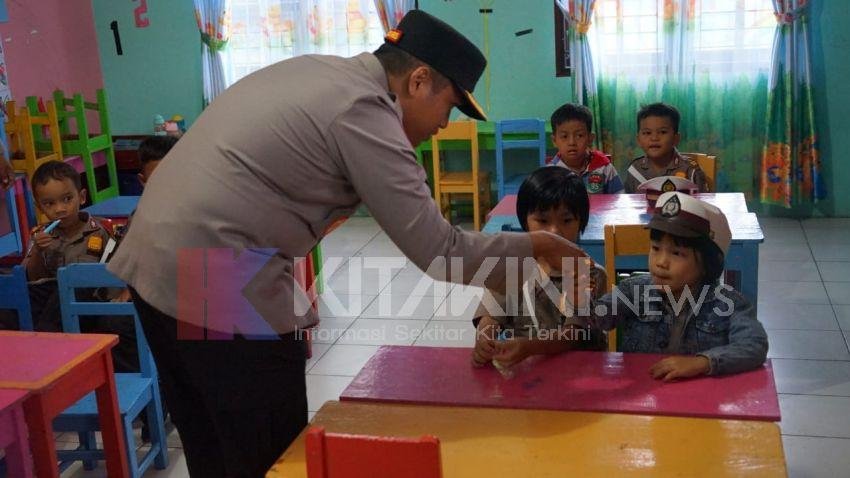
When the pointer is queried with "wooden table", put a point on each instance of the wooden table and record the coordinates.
(13, 432)
(536, 443)
(742, 258)
(573, 381)
(58, 370)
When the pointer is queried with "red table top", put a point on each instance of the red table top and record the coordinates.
(33, 360)
(9, 397)
(574, 381)
(605, 203)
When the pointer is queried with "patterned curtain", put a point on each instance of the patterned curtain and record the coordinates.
(268, 31)
(391, 11)
(791, 165)
(708, 58)
(578, 15)
(214, 25)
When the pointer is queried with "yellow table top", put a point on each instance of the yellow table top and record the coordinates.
(479, 442)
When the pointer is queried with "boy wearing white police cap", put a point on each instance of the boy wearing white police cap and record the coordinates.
(679, 308)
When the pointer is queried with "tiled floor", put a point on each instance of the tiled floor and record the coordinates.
(804, 302)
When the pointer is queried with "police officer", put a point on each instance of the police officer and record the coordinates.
(275, 162)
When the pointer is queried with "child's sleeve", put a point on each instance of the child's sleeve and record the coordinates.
(747, 347)
(698, 177)
(613, 184)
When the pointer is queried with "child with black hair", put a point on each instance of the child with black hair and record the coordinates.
(658, 135)
(553, 200)
(572, 134)
(151, 151)
(78, 237)
(679, 308)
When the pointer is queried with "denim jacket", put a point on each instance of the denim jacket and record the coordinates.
(723, 328)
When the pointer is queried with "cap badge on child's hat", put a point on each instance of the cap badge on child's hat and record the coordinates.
(668, 186)
(671, 207)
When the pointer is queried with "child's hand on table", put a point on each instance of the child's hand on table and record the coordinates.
(485, 342)
(680, 366)
(512, 351)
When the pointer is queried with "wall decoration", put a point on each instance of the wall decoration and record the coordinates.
(140, 14)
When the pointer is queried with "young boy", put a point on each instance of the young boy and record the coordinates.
(658, 136)
(151, 151)
(77, 238)
(679, 308)
(554, 200)
(571, 134)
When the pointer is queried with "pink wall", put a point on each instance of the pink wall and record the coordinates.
(51, 44)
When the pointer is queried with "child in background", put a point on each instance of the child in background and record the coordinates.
(658, 136)
(572, 127)
(554, 200)
(78, 237)
(679, 308)
(151, 151)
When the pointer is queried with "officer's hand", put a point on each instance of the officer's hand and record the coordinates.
(550, 250)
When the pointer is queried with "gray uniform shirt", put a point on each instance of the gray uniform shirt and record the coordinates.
(273, 162)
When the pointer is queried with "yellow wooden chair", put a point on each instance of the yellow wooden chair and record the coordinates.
(622, 240)
(25, 156)
(473, 182)
(708, 164)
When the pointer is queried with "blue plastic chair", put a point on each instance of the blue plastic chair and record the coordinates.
(517, 126)
(137, 392)
(13, 287)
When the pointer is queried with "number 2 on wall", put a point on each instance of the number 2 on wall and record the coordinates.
(140, 14)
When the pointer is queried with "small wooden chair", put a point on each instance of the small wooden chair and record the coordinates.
(473, 182)
(335, 455)
(25, 154)
(84, 143)
(708, 164)
(622, 240)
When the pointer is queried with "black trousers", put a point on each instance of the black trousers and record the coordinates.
(237, 404)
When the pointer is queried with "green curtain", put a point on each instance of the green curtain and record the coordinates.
(791, 164)
(720, 92)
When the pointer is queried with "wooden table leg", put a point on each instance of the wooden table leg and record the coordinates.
(18, 461)
(111, 427)
(43, 445)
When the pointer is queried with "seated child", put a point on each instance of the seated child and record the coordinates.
(572, 127)
(77, 238)
(679, 309)
(151, 151)
(554, 200)
(658, 136)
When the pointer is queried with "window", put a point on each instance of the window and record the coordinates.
(267, 31)
(724, 38)
(562, 44)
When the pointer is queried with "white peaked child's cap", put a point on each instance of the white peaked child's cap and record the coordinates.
(665, 184)
(662, 184)
(686, 216)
